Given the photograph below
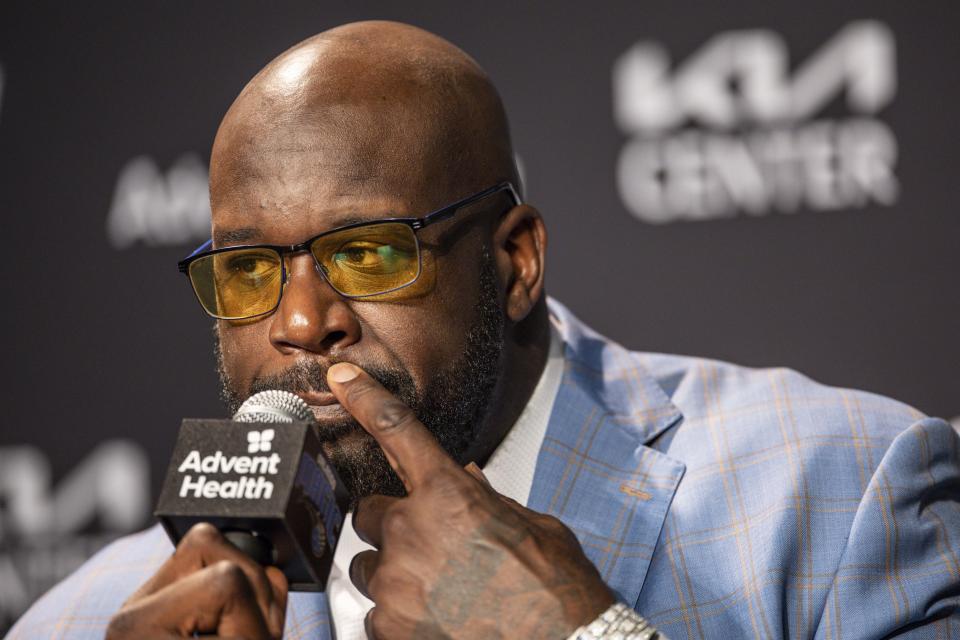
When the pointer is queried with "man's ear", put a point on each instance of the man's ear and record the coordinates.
(520, 249)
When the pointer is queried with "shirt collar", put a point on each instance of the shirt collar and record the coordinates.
(511, 466)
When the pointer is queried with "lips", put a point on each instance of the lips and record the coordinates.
(318, 398)
(328, 414)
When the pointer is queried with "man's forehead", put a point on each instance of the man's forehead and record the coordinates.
(290, 221)
(312, 177)
(382, 120)
(354, 149)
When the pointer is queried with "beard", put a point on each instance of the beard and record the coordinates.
(452, 404)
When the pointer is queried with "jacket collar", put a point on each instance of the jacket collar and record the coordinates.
(595, 471)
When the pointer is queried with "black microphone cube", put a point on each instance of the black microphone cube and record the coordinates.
(271, 480)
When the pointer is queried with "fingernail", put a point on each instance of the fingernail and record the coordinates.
(342, 372)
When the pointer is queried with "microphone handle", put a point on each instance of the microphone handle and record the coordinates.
(257, 547)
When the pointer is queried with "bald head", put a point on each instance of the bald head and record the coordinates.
(374, 106)
(365, 122)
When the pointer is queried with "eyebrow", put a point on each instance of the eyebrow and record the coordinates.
(235, 236)
(248, 235)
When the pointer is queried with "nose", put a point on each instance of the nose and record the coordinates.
(312, 316)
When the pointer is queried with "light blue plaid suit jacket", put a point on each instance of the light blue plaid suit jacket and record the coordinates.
(720, 501)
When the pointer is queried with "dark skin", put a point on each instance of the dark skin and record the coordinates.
(368, 121)
(456, 559)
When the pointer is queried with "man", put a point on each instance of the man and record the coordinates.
(714, 500)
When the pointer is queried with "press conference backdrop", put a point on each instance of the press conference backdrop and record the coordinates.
(767, 183)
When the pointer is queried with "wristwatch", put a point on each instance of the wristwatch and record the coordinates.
(619, 622)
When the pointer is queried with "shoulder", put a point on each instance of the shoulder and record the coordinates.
(753, 406)
(81, 605)
(789, 477)
(772, 435)
(702, 384)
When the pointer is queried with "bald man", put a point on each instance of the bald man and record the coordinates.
(515, 475)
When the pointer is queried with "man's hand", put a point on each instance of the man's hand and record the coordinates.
(208, 586)
(456, 559)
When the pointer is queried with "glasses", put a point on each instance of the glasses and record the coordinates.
(358, 260)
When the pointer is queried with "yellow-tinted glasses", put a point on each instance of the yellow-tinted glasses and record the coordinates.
(358, 260)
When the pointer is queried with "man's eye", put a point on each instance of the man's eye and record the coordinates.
(364, 254)
(251, 265)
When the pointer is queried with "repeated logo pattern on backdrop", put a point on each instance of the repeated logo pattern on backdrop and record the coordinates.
(730, 130)
(160, 209)
(48, 529)
(45, 530)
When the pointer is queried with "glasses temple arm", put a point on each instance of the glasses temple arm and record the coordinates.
(450, 210)
(182, 265)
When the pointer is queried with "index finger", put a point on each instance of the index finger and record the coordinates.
(410, 448)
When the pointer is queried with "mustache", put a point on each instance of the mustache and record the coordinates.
(304, 376)
(310, 375)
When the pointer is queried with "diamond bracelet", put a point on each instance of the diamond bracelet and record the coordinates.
(619, 622)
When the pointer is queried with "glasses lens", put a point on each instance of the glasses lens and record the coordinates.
(369, 260)
(238, 284)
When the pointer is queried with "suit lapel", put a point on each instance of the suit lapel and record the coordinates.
(594, 471)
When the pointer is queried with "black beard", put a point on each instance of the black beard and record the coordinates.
(452, 406)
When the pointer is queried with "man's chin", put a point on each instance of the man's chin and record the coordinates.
(345, 441)
(358, 459)
(333, 421)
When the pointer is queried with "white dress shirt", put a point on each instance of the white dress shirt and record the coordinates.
(509, 469)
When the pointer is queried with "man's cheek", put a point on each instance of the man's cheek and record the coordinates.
(238, 349)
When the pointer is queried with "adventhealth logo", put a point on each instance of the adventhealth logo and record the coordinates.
(260, 440)
(253, 470)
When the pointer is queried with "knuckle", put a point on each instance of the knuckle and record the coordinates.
(380, 622)
(551, 522)
(200, 535)
(375, 624)
(229, 577)
(375, 584)
(395, 523)
(556, 528)
(444, 483)
(357, 391)
(473, 493)
(121, 625)
(393, 415)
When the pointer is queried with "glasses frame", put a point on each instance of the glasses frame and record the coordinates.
(415, 225)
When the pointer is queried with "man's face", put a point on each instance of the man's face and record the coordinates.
(436, 344)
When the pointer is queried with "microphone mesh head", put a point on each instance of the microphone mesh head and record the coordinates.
(273, 406)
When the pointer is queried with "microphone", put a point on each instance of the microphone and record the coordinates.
(262, 480)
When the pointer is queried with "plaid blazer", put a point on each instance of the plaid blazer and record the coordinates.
(719, 501)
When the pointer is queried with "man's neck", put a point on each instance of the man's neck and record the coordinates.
(525, 355)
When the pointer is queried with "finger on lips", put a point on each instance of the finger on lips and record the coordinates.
(412, 450)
